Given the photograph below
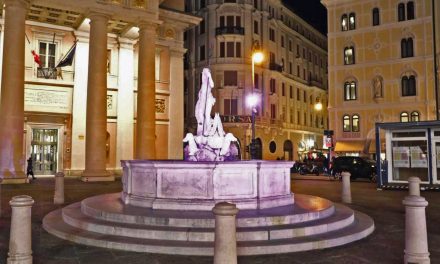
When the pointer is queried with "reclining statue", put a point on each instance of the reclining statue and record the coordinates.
(211, 142)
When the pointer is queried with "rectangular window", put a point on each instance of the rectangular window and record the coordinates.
(238, 21)
(202, 27)
(273, 111)
(298, 117)
(230, 49)
(271, 34)
(282, 41)
(304, 97)
(202, 52)
(283, 89)
(230, 107)
(298, 97)
(238, 49)
(272, 86)
(229, 21)
(291, 92)
(290, 68)
(47, 54)
(297, 70)
(230, 78)
(222, 21)
(291, 116)
(290, 45)
(256, 27)
(256, 81)
(222, 49)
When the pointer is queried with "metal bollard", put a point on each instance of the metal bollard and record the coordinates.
(225, 245)
(414, 186)
(416, 239)
(20, 240)
(346, 188)
(58, 197)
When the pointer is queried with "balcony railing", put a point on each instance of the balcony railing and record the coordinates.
(229, 30)
(47, 73)
(275, 67)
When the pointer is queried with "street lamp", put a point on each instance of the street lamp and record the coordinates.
(252, 100)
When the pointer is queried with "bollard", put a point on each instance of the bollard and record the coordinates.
(225, 244)
(416, 239)
(58, 197)
(346, 189)
(20, 240)
(414, 186)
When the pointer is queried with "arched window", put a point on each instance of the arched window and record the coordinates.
(407, 48)
(355, 123)
(346, 123)
(344, 22)
(415, 116)
(403, 49)
(409, 85)
(349, 55)
(410, 10)
(350, 91)
(352, 21)
(376, 19)
(401, 12)
(404, 117)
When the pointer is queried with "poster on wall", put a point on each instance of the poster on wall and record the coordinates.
(401, 157)
(418, 158)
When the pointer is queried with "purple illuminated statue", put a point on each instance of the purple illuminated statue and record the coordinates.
(211, 142)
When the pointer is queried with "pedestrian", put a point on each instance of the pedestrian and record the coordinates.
(29, 169)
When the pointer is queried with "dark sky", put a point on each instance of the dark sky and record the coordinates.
(311, 11)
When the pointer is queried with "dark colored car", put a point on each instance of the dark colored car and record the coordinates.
(357, 166)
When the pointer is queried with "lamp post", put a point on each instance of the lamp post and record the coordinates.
(252, 100)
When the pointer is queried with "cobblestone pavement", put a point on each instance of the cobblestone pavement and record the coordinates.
(385, 245)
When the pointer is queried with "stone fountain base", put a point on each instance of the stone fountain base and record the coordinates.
(165, 207)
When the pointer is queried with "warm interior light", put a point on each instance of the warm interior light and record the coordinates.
(258, 57)
(252, 100)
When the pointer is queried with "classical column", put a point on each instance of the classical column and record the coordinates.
(176, 111)
(79, 103)
(125, 122)
(146, 99)
(12, 158)
(96, 122)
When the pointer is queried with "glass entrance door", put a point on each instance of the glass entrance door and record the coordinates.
(44, 151)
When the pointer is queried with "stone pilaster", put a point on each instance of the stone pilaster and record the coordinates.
(12, 158)
(146, 96)
(79, 103)
(96, 122)
(176, 111)
(125, 121)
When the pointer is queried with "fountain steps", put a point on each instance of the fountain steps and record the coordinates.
(311, 223)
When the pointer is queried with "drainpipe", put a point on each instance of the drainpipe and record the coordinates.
(435, 62)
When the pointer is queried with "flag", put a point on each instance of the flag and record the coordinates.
(68, 59)
(36, 57)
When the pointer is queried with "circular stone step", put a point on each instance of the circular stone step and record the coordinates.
(109, 207)
(313, 223)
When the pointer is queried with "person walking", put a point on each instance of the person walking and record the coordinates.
(29, 169)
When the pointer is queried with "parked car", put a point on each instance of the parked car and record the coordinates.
(357, 166)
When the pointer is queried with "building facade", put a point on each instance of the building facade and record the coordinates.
(381, 68)
(121, 98)
(289, 82)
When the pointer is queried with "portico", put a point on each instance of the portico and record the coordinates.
(113, 85)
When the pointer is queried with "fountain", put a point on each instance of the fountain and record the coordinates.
(165, 206)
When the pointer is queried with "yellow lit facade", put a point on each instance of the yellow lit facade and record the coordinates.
(381, 67)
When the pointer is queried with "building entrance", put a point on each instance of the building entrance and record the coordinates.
(44, 151)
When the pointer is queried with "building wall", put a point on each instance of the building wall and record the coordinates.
(272, 28)
(378, 54)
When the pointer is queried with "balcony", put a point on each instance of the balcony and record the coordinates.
(229, 30)
(275, 67)
(47, 73)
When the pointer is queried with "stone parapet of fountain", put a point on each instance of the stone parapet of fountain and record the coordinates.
(184, 185)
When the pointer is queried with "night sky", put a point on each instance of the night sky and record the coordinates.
(311, 11)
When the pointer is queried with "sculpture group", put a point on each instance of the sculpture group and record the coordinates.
(211, 143)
